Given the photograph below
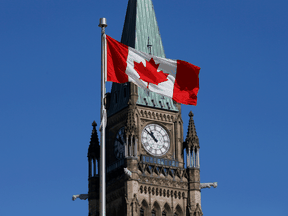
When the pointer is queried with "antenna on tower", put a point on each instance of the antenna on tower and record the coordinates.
(149, 46)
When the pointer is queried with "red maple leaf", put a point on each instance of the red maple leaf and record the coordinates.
(149, 73)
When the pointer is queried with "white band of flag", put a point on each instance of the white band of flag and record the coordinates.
(176, 79)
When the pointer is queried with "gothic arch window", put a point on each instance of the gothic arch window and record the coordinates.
(141, 212)
(167, 209)
(198, 211)
(144, 207)
(156, 208)
(178, 211)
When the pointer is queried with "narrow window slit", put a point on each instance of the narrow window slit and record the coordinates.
(168, 105)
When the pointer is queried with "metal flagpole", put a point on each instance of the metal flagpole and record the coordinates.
(102, 203)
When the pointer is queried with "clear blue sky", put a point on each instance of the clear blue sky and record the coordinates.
(50, 95)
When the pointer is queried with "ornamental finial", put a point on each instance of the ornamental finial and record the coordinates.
(149, 46)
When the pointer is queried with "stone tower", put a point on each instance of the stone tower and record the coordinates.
(146, 174)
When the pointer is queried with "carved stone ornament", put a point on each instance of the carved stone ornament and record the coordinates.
(192, 139)
(135, 203)
(127, 172)
(80, 196)
(198, 210)
(208, 185)
(94, 147)
(130, 127)
(159, 116)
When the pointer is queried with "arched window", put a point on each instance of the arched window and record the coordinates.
(141, 212)
(178, 211)
(153, 212)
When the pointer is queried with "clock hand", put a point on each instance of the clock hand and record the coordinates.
(152, 135)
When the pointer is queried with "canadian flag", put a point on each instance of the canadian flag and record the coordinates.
(176, 79)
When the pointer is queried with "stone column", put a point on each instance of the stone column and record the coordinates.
(150, 204)
(126, 147)
(198, 158)
(195, 158)
(135, 147)
(131, 146)
(189, 158)
(184, 204)
(172, 206)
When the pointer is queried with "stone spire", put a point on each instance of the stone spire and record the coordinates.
(94, 148)
(192, 139)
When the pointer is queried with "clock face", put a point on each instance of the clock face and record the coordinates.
(155, 140)
(119, 149)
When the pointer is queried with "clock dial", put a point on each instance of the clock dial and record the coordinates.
(119, 144)
(155, 140)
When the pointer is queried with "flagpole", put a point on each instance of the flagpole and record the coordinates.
(102, 201)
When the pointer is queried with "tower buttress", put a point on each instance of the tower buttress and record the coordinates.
(192, 147)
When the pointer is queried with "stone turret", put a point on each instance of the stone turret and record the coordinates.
(93, 151)
(191, 144)
(192, 140)
(94, 165)
(192, 147)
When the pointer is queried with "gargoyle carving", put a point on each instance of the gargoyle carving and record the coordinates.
(127, 172)
(208, 185)
(80, 196)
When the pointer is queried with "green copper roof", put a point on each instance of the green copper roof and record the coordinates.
(140, 23)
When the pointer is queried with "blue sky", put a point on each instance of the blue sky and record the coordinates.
(50, 95)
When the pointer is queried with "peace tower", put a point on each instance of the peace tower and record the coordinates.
(144, 141)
